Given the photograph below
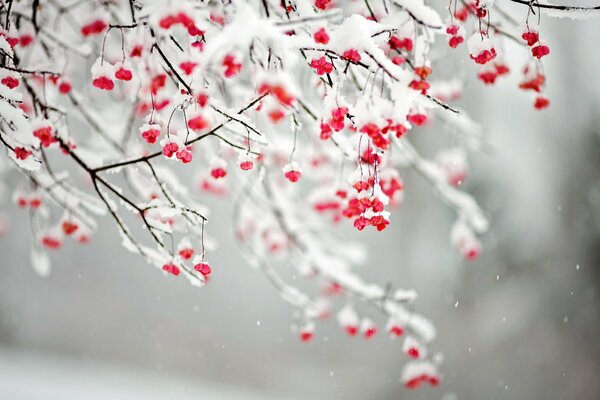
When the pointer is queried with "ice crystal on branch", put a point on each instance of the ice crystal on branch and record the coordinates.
(302, 110)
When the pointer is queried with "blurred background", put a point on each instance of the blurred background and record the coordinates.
(520, 322)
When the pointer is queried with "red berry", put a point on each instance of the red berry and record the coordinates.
(422, 72)
(322, 4)
(484, 56)
(22, 153)
(326, 131)
(534, 84)
(282, 95)
(501, 69)
(69, 227)
(197, 123)
(64, 87)
(531, 38)
(168, 21)
(25, 40)
(488, 77)
(452, 29)
(51, 242)
(417, 119)
(540, 51)
(186, 253)
(246, 165)
(455, 41)
(158, 82)
(184, 155)
(351, 330)
(473, 253)
(12, 41)
(421, 86)
(401, 44)
(398, 60)
(370, 332)
(188, 67)
(202, 99)
(352, 55)
(413, 352)
(35, 203)
(104, 83)
(293, 176)
(396, 330)
(232, 68)
(136, 51)
(171, 269)
(123, 74)
(150, 135)
(94, 28)
(413, 383)
(322, 66)
(198, 45)
(218, 173)
(45, 136)
(169, 149)
(276, 115)
(203, 268)
(541, 102)
(10, 82)
(321, 36)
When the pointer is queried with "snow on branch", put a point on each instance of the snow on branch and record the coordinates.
(304, 110)
(561, 11)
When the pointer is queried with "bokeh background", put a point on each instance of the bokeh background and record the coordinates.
(522, 322)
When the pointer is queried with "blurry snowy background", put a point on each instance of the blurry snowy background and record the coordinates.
(520, 323)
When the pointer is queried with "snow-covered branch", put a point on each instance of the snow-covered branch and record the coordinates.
(111, 108)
